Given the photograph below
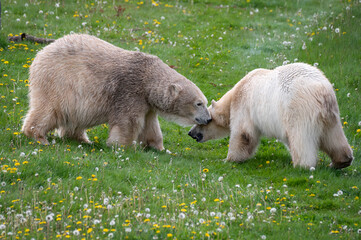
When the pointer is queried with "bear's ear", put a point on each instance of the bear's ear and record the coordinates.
(174, 90)
(213, 103)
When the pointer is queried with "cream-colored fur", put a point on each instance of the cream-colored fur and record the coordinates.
(80, 81)
(294, 103)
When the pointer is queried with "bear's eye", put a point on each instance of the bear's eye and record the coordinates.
(199, 104)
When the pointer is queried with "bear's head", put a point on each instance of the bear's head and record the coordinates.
(187, 105)
(217, 128)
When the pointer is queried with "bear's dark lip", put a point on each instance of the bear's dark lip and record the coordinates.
(199, 137)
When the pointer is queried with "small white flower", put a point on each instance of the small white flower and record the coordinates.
(337, 30)
(18, 19)
(348, 94)
(220, 179)
(128, 230)
(49, 218)
(312, 169)
(310, 177)
(85, 23)
(2, 226)
(181, 215)
(26, 5)
(249, 185)
(112, 222)
(162, 18)
(201, 220)
(315, 64)
(339, 192)
(57, 5)
(237, 186)
(304, 46)
(263, 237)
(273, 210)
(168, 152)
(41, 12)
(147, 210)
(203, 199)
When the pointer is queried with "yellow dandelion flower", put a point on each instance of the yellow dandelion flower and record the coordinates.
(169, 235)
(205, 170)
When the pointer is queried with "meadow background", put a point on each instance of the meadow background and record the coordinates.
(81, 191)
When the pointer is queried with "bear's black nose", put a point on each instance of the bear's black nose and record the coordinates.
(209, 120)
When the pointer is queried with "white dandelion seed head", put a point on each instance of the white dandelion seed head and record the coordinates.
(49, 218)
(310, 177)
(112, 222)
(110, 235)
(201, 220)
(128, 230)
(220, 179)
(249, 185)
(304, 47)
(182, 216)
(2, 226)
(212, 214)
(76, 232)
(263, 237)
(147, 210)
(337, 30)
(273, 210)
(312, 169)
(41, 12)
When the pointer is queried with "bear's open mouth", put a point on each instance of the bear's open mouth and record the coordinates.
(197, 136)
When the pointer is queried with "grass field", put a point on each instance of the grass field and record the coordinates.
(80, 191)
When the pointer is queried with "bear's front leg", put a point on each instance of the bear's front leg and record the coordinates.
(124, 132)
(241, 146)
(151, 136)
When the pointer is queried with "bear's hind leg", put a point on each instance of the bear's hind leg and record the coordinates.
(38, 123)
(334, 143)
(152, 135)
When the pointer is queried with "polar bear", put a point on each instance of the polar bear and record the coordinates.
(294, 103)
(80, 81)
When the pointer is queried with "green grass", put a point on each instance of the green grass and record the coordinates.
(67, 190)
